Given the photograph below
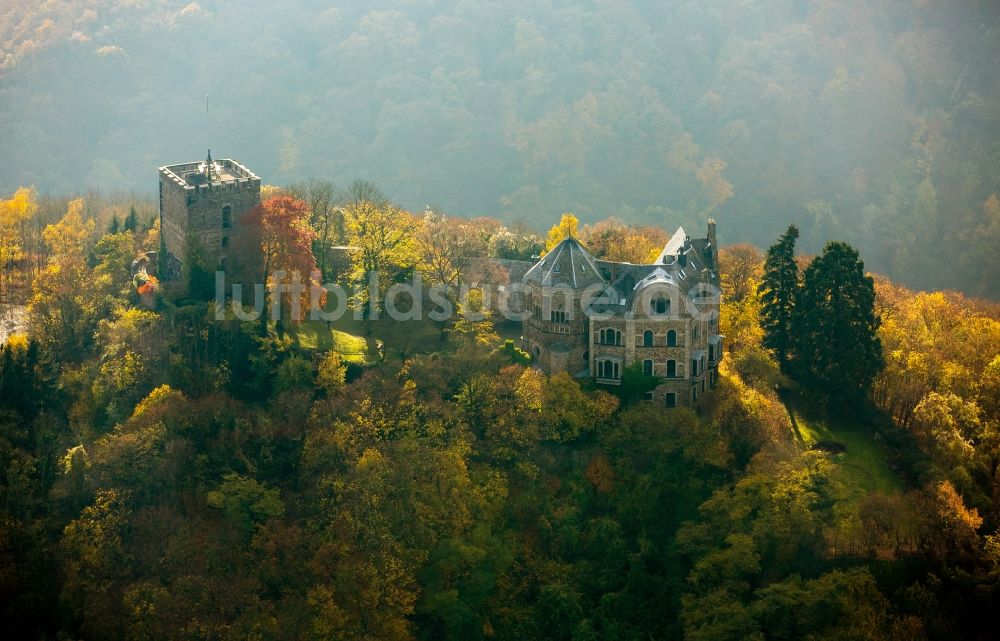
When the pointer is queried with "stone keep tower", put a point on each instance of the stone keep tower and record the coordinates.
(203, 202)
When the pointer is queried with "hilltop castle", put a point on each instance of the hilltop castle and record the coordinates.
(202, 202)
(593, 318)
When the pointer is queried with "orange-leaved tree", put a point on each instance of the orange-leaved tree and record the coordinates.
(276, 250)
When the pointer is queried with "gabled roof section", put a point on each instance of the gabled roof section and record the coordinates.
(658, 275)
(672, 247)
(569, 263)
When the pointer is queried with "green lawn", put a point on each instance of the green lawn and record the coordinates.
(316, 335)
(361, 341)
(864, 466)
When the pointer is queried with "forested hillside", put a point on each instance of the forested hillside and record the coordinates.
(169, 474)
(871, 122)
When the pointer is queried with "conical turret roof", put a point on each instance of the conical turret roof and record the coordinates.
(569, 263)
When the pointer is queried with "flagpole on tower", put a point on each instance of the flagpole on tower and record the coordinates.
(209, 168)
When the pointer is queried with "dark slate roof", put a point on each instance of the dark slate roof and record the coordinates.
(683, 263)
(569, 263)
(516, 269)
(670, 249)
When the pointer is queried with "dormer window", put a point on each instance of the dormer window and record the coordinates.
(556, 268)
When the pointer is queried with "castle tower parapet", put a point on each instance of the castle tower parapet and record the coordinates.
(203, 202)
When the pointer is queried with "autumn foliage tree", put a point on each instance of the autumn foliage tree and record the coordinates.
(382, 237)
(566, 228)
(276, 250)
(60, 300)
(612, 239)
(325, 216)
(446, 247)
(741, 269)
(14, 215)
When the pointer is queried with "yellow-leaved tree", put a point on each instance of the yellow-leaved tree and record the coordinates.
(566, 228)
(62, 291)
(14, 215)
(383, 240)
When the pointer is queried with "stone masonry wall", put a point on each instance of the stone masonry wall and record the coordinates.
(189, 210)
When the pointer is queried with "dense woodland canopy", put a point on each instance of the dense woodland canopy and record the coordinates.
(168, 475)
(870, 122)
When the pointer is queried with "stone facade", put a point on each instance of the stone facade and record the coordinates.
(594, 318)
(203, 202)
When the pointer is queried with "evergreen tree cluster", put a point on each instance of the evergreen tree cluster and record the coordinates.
(822, 326)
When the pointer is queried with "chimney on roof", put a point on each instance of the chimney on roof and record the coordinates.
(713, 244)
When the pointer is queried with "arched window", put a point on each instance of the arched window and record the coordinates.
(660, 306)
(227, 217)
(647, 338)
(609, 336)
(671, 338)
(225, 242)
(671, 368)
(647, 367)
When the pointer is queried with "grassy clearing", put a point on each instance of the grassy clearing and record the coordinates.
(362, 342)
(317, 336)
(864, 466)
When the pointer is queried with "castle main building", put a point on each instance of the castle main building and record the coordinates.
(594, 318)
(202, 202)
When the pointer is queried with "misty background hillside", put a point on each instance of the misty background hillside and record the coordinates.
(872, 122)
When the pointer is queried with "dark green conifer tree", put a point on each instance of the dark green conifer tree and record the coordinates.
(131, 221)
(777, 290)
(836, 348)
